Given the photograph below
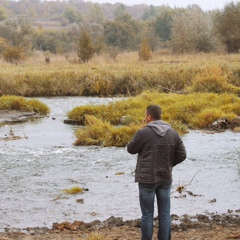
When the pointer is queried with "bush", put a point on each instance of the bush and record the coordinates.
(86, 48)
(213, 79)
(145, 52)
(13, 54)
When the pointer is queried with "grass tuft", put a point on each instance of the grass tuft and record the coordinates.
(23, 104)
(96, 236)
(74, 190)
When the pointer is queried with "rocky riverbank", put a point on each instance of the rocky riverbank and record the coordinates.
(208, 226)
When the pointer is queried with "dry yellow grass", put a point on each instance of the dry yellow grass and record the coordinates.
(131, 58)
(127, 76)
(164, 73)
(97, 235)
(74, 190)
(182, 111)
(23, 104)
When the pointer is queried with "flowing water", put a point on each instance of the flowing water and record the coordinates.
(35, 170)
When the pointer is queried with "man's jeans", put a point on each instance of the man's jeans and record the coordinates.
(147, 194)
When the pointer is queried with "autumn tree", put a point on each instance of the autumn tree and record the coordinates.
(13, 54)
(3, 45)
(192, 31)
(181, 38)
(118, 34)
(95, 14)
(227, 26)
(3, 14)
(120, 10)
(86, 48)
(123, 32)
(163, 25)
(17, 32)
(148, 32)
(149, 13)
(113, 52)
(73, 15)
(54, 41)
(145, 51)
(17, 36)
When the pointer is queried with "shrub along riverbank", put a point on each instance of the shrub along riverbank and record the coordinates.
(115, 124)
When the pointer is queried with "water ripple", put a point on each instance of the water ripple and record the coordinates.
(35, 172)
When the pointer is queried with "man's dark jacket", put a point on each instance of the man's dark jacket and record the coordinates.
(159, 149)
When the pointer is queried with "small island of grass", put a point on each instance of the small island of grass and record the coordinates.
(115, 124)
(16, 107)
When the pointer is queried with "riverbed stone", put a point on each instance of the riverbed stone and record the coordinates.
(235, 123)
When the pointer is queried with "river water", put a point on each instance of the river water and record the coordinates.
(35, 170)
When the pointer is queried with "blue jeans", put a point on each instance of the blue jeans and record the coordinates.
(147, 194)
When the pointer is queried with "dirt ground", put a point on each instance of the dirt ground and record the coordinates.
(131, 233)
(199, 227)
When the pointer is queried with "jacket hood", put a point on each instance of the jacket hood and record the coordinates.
(159, 126)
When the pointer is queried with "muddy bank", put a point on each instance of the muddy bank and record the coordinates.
(207, 227)
(16, 116)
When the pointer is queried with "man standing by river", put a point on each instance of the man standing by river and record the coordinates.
(159, 149)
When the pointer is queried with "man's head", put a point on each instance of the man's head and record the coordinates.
(153, 113)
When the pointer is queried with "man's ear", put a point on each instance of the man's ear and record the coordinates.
(149, 118)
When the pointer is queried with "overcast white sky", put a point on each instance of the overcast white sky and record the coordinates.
(204, 4)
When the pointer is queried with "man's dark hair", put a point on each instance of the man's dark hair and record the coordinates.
(155, 111)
